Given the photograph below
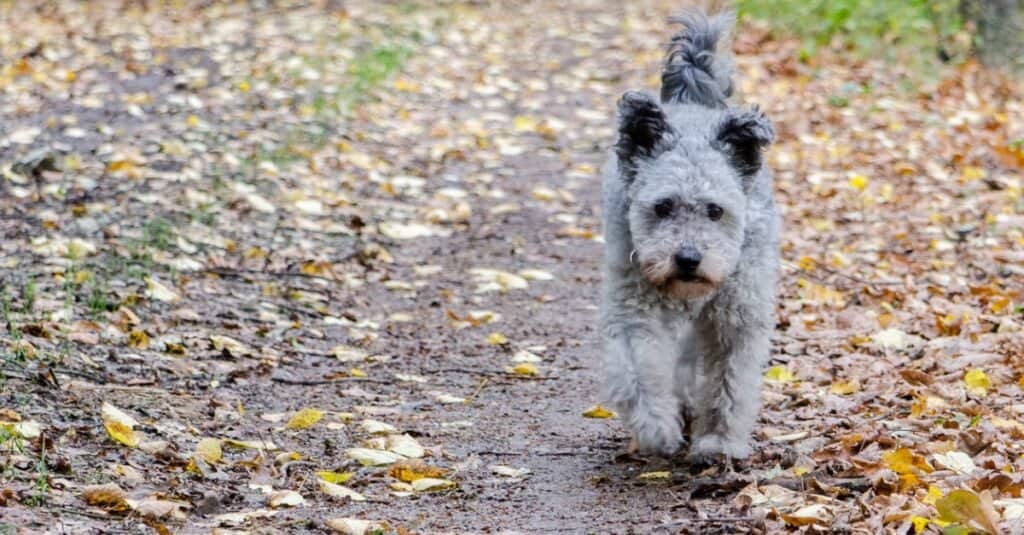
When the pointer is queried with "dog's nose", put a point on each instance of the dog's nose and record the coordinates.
(687, 259)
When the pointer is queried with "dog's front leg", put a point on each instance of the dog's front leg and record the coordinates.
(639, 366)
(735, 342)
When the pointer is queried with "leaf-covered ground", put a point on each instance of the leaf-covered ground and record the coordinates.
(294, 267)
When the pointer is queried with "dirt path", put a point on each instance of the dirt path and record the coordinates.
(389, 213)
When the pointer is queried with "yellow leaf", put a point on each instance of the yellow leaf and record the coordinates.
(192, 121)
(969, 508)
(806, 263)
(304, 418)
(138, 339)
(523, 123)
(779, 374)
(598, 411)
(934, 493)
(108, 495)
(859, 182)
(971, 173)
(244, 86)
(800, 470)
(334, 477)
(919, 523)
(844, 387)
(650, 476)
(497, 339)
(977, 382)
(409, 471)
(356, 372)
(122, 433)
(524, 368)
(544, 193)
(209, 450)
(124, 168)
(903, 461)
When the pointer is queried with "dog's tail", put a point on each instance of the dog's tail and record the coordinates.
(696, 72)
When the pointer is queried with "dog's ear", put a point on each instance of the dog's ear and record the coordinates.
(644, 131)
(742, 136)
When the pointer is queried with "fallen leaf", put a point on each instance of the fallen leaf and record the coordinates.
(108, 495)
(230, 345)
(524, 368)
(411, 470)
(285, 498)
(508, 471)
(375, 427)
(334, 477)
(810, 514)
(159, 291)
(372, 457)
(251, 444)
(304, 418)
(956, 461)
(119, 425)
(778, 374)
(340, 491)
(977, 382)
(969, 508)
(209, 450)
(157, 509)
(355, 526)
(597, 411)
(430, 484)
(405, 446)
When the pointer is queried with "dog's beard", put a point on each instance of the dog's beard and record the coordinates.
(665, 277)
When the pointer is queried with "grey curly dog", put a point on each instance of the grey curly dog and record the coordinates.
(692, 255)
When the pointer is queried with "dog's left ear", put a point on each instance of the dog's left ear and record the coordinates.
(742, 136)
(644, 131)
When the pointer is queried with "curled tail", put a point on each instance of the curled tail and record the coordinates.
(696, 72)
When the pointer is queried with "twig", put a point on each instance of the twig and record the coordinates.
(240, 272)
(838, 274)
(709, 520)
(319, 382)
(736, 482)
(495, 374)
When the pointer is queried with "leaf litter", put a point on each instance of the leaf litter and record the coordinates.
(308, 258)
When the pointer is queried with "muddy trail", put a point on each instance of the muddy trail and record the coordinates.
(334, 267)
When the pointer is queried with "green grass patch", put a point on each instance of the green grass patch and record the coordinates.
(375, 65)
(921, 29)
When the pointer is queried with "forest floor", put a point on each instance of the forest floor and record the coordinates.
(335, 267)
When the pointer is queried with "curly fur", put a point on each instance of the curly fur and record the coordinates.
(686, 349)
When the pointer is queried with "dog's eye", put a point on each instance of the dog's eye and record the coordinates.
(663, 208)
(715, 212)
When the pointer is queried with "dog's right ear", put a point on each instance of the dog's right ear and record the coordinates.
(644, 131)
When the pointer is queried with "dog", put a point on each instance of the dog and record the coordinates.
(691, 255)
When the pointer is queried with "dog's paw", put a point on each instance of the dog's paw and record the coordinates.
(710, 448)
(657, 434)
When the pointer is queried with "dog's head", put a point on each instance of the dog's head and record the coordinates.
(688, 171)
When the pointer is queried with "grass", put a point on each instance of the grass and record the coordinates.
(922, 29)
(375, 65)
(28, 296)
